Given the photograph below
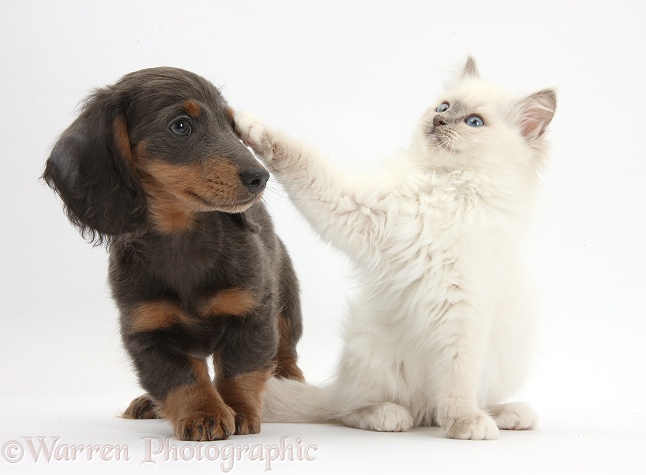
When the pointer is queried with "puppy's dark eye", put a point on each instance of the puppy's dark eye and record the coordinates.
(181, 126)
(443, 107)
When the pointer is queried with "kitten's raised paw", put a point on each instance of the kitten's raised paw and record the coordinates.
(475, 426)
(513, 416)
(254, 134)
(381, 417)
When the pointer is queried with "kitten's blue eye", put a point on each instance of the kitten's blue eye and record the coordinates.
(474, 121)
(443, 107)
(181, 126)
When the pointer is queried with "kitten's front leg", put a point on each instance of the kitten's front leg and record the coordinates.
(284, 155)
(459, 366)
(345, 211)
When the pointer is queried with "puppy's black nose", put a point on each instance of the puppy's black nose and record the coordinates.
(255, 179)
(438, 120)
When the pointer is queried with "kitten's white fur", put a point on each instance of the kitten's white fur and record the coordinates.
(441, 331)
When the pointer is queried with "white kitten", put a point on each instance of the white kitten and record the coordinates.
(441, 332)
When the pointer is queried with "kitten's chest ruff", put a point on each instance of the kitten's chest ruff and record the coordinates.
(445, 228)
(445, 213)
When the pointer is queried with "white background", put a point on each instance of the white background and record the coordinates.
(352, 77)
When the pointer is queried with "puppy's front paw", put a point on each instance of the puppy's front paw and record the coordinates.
(206, 426)
(248, 422)
(142, 407)
(255, 135)
(471, 426)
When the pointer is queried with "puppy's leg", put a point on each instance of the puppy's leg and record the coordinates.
(180, 390)
(197, 411)
(290, 321)
(286, 366)
(243, 392)
(244, 363)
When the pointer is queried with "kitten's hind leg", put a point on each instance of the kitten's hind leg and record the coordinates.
(513, 416)
(380, 417)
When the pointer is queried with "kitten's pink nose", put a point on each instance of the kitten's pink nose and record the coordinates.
(437, 121)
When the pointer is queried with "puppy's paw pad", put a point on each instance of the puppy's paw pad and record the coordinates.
(381, 417)
(513, 416)
(477, 426)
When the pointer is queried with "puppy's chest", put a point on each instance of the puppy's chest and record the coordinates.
(184, 264)
(189, 271)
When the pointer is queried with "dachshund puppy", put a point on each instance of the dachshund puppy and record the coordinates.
(152, 168)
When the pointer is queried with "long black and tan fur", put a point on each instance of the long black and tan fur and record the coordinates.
(152, 168)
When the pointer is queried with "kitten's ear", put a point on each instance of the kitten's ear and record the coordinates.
(470, 69)
(534, 113)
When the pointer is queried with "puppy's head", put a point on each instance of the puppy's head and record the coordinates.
(153, 149)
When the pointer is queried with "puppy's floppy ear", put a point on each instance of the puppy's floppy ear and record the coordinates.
(91, 168)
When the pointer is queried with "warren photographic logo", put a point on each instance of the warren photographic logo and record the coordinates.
(53, 450)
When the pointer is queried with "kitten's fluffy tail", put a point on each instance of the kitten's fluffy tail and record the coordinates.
(287, 400)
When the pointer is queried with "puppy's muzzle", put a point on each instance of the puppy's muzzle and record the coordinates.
(255, 179)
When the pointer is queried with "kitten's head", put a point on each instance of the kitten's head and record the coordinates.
(476, 125)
